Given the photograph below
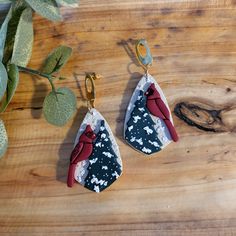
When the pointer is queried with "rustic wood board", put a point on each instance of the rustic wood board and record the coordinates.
(187, 189)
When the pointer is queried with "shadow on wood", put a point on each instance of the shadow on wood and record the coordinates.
(128, 46)
(68, 143)
(40, 92)
(67, 146)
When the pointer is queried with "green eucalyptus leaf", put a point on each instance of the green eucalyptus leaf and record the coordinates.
(3, 33)
(13, 80)
(71, 3)
(46, 8)
(23, 39)
(56, 60)
(3, 80)
(5, 1)
(18, 7)
(59, 108)
(3, 139)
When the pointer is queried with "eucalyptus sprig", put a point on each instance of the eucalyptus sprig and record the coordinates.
(16, 41)
(60, 104)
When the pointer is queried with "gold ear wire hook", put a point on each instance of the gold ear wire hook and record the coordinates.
(146, 60)
(90, 89)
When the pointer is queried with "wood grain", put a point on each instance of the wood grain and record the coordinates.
(187, 189)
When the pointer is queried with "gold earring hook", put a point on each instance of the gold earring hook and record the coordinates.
(90, 88)
(146, 59)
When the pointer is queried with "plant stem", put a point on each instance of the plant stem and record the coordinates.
(31, 71)
(35, 72)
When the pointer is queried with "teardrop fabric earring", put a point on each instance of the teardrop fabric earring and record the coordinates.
(148, 123)
(95, 161)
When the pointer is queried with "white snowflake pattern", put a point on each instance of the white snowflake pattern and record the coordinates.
(140, 141)
(155, 144)
(115, 174)
(146, 150)
(139, 97)
(92, 161)
(102, 128)
(103, 136)
(132, 139)
(104, 168)
(98, 144)
(108, 154)
(141, 109)
(148, 130)
(136, 118)
(145, 114)
(130, 127)
(96, 189)
(96, 181)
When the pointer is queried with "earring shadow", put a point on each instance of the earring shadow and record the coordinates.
(68, 142)
(40, 92)
(67, 146)
(77, 80)
(134, 77)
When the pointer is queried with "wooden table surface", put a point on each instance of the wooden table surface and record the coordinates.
(187, 189)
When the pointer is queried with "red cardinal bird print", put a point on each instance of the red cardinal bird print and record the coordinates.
(81, 152)
(157, 107)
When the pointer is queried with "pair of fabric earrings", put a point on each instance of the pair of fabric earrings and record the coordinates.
(95, 161)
